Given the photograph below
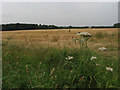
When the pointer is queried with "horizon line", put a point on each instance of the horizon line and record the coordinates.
(54, 24)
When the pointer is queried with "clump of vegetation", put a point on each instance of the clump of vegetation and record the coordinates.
(100, 35)
(50, 67)
(55, 38)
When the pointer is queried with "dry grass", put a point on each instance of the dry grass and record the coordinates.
(61, 37)
(107, 37)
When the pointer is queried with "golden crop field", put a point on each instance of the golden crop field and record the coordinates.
(62, 37)
(58, 36)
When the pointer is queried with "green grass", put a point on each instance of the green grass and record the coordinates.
(28, 67)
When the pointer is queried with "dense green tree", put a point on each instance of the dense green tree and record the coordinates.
(117, 25)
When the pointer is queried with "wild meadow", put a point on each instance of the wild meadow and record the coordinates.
(56, 59)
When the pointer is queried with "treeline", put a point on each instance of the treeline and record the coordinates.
(103, 27)
(20, 26)
(116, 25)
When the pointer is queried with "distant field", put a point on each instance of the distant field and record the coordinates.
(33, 55)
(62, 37)
(40, 36)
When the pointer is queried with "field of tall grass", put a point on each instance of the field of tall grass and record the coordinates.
(33, 65)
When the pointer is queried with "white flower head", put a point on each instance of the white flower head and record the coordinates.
(97, 64)
(66, 58)
(109, 69)
(69, 58)
(84, 34)
(102, 49)
(93, 58)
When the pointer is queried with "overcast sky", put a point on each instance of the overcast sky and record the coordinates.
(61, 13)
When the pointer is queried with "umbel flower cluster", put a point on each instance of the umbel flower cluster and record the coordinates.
(109, 69)
(69, 58)
(84, 34)
(93, 58)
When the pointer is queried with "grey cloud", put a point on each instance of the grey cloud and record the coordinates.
(62, 13)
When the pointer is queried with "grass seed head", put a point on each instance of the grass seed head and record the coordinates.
(52, 71)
